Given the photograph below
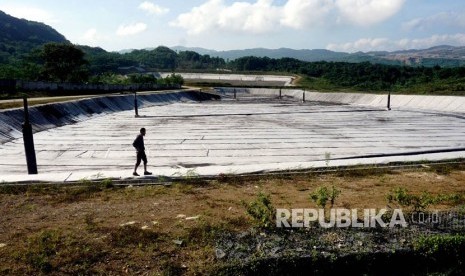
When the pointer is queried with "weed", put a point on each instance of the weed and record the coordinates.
(261, 210)
(441, 244)
(327, 158)
(421, 202)
(107, 183)
(84, 190)
(363, 171)
(12, 189)
(133, 236)
(40, 250)
(89, 220)
(185, 188)
(192, 173)
(404, 198)
(442, 169)
(322, 195)
(191, 176)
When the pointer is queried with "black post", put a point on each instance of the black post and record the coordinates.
(29, 141)
(303, 96)
(235, 94)
(280, 94)
(135, 104)
(389, 101)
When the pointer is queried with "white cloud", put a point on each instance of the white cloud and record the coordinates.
(368, 12)
(258, 17)
(90, 37)
(29, 12)
(453, 19)
(263, 16)
(364, 44)
(384, 44)
(434, 40)
(302, 13)
(132, 29)
(153, 8)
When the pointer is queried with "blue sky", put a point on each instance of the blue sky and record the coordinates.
(339, 25)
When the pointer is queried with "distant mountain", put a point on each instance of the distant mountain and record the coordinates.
(443, 55)
(305, 55)
(19, 36)
(439, 55)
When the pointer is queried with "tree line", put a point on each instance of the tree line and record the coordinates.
(69, 63)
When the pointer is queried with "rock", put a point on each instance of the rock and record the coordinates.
(243, 235)
(178, 242)
(145, 227)
(128, 223)
(155, 222)
(181, 216)
(193, 218)
(2, 245)
(220, 254)
(275, 250)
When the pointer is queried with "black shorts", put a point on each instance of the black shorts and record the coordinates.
(141, 157)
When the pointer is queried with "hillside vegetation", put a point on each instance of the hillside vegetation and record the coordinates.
(24, 44)
(19, 36)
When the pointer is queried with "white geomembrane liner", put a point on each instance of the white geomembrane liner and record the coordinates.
(252, 134)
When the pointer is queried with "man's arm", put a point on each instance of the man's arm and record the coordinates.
(139, 143)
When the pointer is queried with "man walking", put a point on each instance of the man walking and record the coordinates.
(140, 148)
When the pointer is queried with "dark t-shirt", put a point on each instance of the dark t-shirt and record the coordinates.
(139, 143)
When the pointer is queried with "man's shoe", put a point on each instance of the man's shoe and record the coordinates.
(135, 174)
(147, 173)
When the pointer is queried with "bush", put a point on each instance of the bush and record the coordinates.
(420, 202)
(322, 195)
(441, 244)
(261, 210)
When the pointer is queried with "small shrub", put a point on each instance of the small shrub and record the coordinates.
(327, 158)
(261, 210)
(107, 183)
(440, 244)
(322, 195)
(420, 202)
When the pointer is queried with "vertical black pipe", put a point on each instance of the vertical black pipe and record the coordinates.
(303, 96)
(280, 94)
(29, 141)
(135, 104)
(389, 101)
(235, 94)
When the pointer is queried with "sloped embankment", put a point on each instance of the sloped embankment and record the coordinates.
(48, 116)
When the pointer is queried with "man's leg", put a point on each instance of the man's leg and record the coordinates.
(144, 158)
(139, 158)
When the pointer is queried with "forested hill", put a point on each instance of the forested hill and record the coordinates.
(446, 56)
(19, 36)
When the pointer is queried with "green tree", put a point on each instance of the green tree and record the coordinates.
(64, 63)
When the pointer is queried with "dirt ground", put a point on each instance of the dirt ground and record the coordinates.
(170, 229)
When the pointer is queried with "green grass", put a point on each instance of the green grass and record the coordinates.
(454, 87)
